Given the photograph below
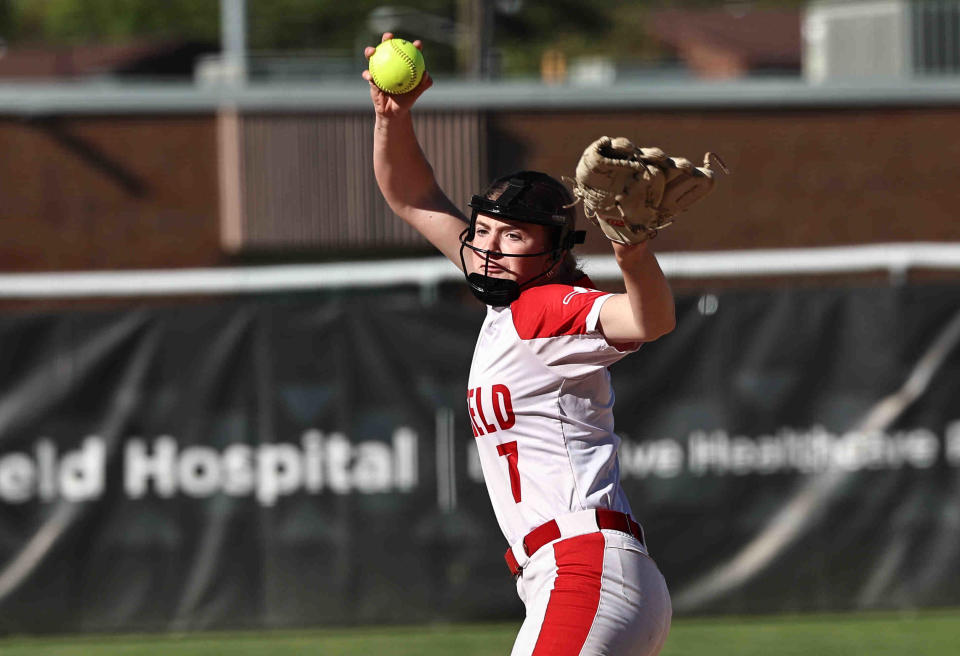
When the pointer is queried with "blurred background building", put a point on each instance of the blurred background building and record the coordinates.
(259, 125)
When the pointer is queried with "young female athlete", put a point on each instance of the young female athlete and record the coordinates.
(539, 399)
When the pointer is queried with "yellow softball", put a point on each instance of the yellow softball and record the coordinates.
(396, 66)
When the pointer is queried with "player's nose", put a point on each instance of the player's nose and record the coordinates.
(494, 248)
(491, 243)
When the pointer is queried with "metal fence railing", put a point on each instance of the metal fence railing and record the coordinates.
(895, 259)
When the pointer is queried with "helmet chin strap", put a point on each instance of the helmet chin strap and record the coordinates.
(497, 292)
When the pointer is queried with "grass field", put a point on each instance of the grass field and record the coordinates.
(923, 634)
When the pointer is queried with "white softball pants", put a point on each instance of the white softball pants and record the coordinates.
(592, 595)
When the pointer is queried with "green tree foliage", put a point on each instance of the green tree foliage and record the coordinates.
(573, 27)
(272, 24)
(321, 24)
(82, 21)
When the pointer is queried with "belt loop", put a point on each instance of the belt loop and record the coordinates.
(517, 557)
(512, 563)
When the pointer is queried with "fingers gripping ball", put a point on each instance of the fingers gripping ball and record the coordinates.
(396, 66)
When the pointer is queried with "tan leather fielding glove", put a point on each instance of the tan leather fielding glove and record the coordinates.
(632, 192)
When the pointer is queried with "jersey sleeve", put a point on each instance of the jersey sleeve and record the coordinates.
(560, 324)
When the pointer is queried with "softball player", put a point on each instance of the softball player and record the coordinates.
(539, 396)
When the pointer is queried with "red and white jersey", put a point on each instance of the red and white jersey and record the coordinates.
(541, 406)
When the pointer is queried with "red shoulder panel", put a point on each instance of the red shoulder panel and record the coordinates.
(553, 310)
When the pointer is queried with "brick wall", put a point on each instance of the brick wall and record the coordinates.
(140, 192)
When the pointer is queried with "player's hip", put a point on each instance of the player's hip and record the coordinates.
(534, 535)
(590, 594)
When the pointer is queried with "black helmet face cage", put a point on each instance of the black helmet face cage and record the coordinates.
(466, 237)
(501, 291)
(564, 240)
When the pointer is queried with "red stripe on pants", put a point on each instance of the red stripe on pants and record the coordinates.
(575, 596)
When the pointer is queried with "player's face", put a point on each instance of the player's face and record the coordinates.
(504, 238)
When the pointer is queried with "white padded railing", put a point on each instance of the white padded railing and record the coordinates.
(895, 259)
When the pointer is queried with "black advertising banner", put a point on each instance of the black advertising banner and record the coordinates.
(308, 461)
(800, 450)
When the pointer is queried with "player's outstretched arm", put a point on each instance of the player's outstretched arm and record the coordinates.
(403, 173)
(646, 311)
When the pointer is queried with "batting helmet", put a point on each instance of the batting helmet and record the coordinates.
(527, 197)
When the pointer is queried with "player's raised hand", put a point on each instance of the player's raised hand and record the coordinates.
(387, 104)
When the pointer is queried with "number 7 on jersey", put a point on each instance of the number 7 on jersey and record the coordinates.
(509, 449)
